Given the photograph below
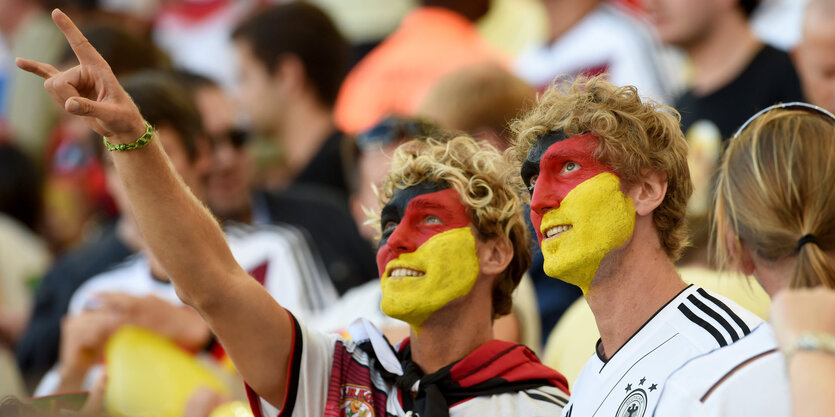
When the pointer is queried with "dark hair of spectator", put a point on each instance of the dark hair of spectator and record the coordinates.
(302, 30)
(748, 6)
(470, 9)
(20, 186)
(124, 52)
(163, 100)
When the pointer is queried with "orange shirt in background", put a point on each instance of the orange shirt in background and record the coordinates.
(394, 77)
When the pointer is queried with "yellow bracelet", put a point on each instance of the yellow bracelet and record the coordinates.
(817, 341)
(137, 144)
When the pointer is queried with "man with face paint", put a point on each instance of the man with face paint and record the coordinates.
(609, 183)
(455, 247)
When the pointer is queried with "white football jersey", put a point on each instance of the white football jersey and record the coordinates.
(629, 383)
(747, 378)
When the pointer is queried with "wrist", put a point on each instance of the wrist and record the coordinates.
(122, 142)
(818, 342)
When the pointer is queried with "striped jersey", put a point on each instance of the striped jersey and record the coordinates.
(747, 378)
(630, 382)
(357, 377)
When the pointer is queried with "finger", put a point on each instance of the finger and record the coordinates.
(85, 52)
(40, 69)
(94, 404)
(81, 106)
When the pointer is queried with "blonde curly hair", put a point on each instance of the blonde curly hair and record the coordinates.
(634, 136)
(487, 185)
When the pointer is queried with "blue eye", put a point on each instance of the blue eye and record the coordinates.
(570, 166)
(432, 220)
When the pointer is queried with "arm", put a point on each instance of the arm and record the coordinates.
(182, 234)
(811, 372)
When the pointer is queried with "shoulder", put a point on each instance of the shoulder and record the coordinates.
(710, 320)
(736, 380)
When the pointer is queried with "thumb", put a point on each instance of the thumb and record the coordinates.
(83, 107)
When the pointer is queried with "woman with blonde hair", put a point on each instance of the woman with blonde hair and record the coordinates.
(774, 219)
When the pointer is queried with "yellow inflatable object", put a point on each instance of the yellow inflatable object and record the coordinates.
(232, 409)
(148, 375)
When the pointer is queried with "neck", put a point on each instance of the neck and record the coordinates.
(445, 338)
(563, 15)
(305, 127)
(630, 288)
(716, 60)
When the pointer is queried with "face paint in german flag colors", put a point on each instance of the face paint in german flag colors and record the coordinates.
(427, 255)
(577, 208)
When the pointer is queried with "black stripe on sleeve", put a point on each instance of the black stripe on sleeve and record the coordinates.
(736, 318)
(703, 324)
(295, 370)
(716, 316)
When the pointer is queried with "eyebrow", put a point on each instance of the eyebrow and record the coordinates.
(420, 203)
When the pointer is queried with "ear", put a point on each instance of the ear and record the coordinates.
(741, 256)
(649, 192)
(494, 255)
(289, 71)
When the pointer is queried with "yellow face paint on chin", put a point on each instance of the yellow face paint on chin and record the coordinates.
(450, 266)
(600, 217)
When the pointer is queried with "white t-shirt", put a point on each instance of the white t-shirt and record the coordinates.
(335, 376)
(747, 378)
(607, 40)
(629, 383)
(276, 256)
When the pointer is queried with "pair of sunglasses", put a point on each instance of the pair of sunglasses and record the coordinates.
(796, 105)
(236, 137)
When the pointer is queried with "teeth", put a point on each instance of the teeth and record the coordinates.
(556, 230)
(405, 272)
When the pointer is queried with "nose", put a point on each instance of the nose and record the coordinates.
(400, 242)
(544, 199)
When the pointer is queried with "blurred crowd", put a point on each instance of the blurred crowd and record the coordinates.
(282, 116)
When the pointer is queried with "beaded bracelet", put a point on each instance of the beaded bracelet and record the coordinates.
(137, 144)
(817, 341)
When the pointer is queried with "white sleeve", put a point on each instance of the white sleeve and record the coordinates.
(307, 382)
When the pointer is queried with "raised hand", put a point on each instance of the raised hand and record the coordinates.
(89, 89)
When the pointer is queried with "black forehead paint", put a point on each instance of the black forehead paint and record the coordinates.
(531, 165)
(395, 209)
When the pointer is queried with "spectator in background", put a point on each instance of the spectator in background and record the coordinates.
(480, 100)
(231, 193)
(292, 61)
(592, 37)
(815, 55)
(734, 74)
(30, 114)
(24, 256)
(433, 40)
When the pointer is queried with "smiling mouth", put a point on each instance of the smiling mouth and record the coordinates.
(555, 231)
(405, 272)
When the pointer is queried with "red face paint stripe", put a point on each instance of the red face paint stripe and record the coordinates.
(564, 165)
(425, 216)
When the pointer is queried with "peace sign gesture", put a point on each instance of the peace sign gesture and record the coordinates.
(89, 89)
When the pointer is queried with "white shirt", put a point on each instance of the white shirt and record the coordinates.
(606, 40)
(630, 382)
(747, 378)
(277, 256)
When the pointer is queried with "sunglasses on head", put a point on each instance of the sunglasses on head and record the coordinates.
(795, 105)
(394, 128)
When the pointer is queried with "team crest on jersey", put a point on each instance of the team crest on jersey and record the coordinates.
(355, 401)
(635, 402)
